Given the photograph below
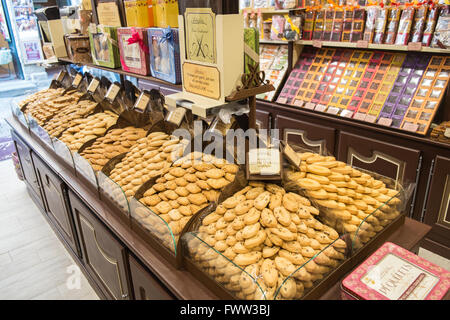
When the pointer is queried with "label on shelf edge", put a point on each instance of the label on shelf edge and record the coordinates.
(142, 102)
(320, 107)
(282, 100)
(333, 110)
(362, 44)
(370, 118)
(317, 43)
(385, 121)
(93, 85)
(346, 114)
(310, 106)
(412, 127)
(298, 103)
(360, 116)
(414, 46)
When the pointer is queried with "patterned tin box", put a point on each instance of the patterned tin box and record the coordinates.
(164, 54)
(394, 273)
(133, 47)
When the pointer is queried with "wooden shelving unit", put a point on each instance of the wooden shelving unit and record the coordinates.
(123, 73)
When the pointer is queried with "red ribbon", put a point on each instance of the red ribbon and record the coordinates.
(136, 38)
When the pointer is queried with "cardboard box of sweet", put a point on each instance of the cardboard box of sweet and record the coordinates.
(133, 47)
(104, 47)
(164, 54)
(394, 273)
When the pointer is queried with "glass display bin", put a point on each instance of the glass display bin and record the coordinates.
(85, 172)
(40, 133)
(63, 153)
(113, 197)
(18, 114)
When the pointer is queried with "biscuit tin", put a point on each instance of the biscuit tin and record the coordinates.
(394, 273)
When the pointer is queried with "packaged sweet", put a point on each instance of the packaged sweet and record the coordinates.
(338, 20)
(419, 24)
(392, 25)
(164, 54)
(394, 273)
(369, 30)
(277, 29)
(380, 25)
(429, 26)
(404, 26)
(441, 37)
(319, 25)
(308, 28)
(347, 30)
(359, 16)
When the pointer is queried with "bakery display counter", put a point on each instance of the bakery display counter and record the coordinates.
(185, 283)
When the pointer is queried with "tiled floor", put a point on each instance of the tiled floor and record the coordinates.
(33, 262)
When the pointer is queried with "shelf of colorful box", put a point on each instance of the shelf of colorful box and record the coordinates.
(120, 71)
(362, 45)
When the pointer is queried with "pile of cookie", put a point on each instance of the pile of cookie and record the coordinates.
(87, 129)
(46, 93)
(189, 185)
(114, 143)
(147, 158)
(46, 107)
(346, 196)
(441, 132)
(65, 117)
(269, 234)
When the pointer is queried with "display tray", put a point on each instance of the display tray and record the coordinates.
(353, 261)
(156, 232)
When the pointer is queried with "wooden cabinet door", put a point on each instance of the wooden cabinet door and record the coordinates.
(26, 163)
(437, 211)
(393, 161)
(307, 135)
(102, 254)
(54, 195)
(145, 285)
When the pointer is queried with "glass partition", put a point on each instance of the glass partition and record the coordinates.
(153, 224)
(298, 283)
(241, 283)
(84, 168)
(63, 152)
(113, 191)
(39, 131)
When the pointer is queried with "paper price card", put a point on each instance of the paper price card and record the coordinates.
(93, 85)
(385, 121)
(176, 116)
(142, 102)
(77, 80)
(264, 161)
(60, 76)
(112, 92)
